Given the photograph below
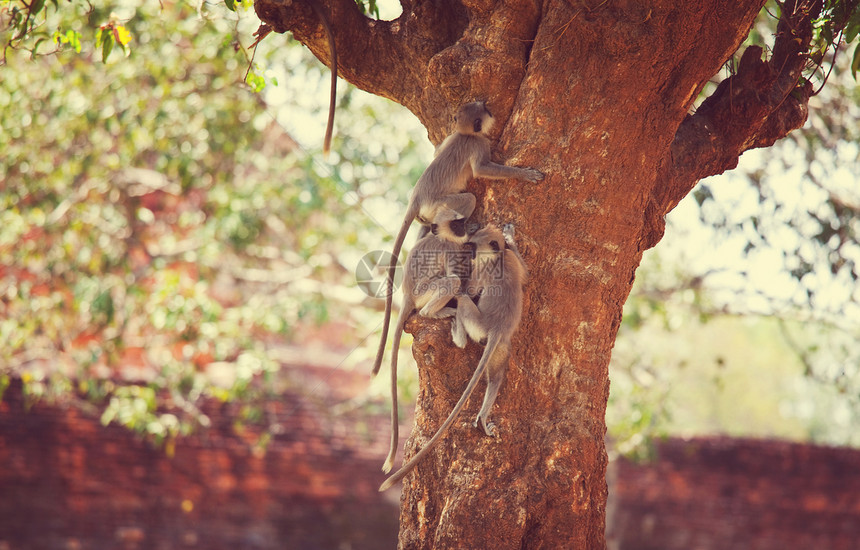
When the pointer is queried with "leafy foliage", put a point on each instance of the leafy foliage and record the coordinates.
(161, 236)
(776, 291)
(838, 24)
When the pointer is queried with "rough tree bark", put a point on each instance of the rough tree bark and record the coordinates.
(597, 95)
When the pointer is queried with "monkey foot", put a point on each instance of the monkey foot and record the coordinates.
(489, 427)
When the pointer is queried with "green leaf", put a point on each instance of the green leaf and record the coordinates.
(256, 82)
(36, 7)
(855, 63)
(827, 34)
(851, 32)
(107, 44)
(231, 4)
(38, 43)
(74, 38)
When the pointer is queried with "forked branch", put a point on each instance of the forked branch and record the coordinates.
(761, 103)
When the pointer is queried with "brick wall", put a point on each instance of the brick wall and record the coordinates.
(723, 493)
(67, 482)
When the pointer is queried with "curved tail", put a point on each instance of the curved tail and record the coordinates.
(492, 344)
(333, 94)
(389, 285)
(395, 422)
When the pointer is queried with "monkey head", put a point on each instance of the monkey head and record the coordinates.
(488, 244)
(474, 118)
(449, 225)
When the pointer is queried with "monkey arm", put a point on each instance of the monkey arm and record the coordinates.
(511, 245)
(489, 169)
(441, 291)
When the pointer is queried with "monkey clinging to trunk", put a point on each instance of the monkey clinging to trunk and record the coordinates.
(496, 282)
(463, 155)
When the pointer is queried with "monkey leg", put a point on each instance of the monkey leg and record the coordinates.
(440, 293)
(495, 377)
(462, 203)
(458, 329)
(467, 322)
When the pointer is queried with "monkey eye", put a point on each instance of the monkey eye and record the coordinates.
(434, 228)
(477, 125)
(494, 245)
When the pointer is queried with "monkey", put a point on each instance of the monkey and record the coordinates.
(432, 278)
(496, 287)
(329, 129)
(497, 279)
(463, 154)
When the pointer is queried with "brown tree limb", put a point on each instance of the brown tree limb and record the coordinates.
(388, 51)
(436, 55)
(761, 103)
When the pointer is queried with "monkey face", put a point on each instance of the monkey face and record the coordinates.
(487, 242)
(449, 225)
(474, 118)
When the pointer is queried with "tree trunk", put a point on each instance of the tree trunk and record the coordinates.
(596, 95)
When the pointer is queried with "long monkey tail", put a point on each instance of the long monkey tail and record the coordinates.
(389, 284)
(333, 96)
(395, 422)
(489, 350)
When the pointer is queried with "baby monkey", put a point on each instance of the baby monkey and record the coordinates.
(463, 155)
(434, 269)
(497, 278)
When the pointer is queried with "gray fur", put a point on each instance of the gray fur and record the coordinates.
(497, 278)
(430, 281)
(463, 155)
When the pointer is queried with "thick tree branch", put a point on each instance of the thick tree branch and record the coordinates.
(436, 55)
(761, 103)
(399, 46)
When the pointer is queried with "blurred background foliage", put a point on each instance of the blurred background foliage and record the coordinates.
(161, 235)
(168, 235)
(745, 319)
